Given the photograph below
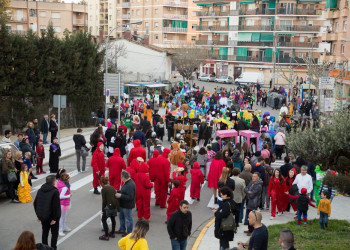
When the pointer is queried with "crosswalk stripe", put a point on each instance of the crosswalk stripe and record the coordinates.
(80, 183)
(211, 203)
(188, 193)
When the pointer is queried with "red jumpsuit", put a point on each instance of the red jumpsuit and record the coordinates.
(133, 169)
(182, 187)
(98, 164)
(215, 173)
(196, 180)
(286, 199)
(115, 164)
(40, 152)
(162, 174)
(137, 151)
(173, 202)
(143, 192)
(276, 190)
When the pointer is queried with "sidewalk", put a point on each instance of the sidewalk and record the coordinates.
(340, 208)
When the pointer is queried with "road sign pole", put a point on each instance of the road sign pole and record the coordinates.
(59, 119)
(119, 99)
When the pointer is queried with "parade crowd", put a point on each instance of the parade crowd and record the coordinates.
(240, 174)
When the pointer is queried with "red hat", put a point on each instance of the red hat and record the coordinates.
(304, 191)
(40, 140)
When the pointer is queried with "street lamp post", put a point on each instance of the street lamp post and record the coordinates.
(106, 70)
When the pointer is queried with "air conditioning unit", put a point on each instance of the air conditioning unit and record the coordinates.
(169, 8)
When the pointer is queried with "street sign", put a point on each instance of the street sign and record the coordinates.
(112, 84)
(60, 100)
(108, 96)
(326, 83)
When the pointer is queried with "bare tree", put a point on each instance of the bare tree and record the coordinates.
(316, 70)
(187, 59)
(116, 50)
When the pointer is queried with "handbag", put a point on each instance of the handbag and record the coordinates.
(228, 223)
(110, 212)
(84, 152)
(11, 177)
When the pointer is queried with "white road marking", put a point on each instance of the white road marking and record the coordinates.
(78, 228)
(82, 182)
(211, 203)
(188, 193)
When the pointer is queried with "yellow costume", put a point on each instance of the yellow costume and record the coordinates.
(126, 243)
(24, 192)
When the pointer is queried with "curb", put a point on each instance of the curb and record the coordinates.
(201, 234)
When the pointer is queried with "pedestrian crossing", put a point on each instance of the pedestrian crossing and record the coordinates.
(277, 163)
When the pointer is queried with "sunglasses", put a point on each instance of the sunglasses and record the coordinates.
(256, 218)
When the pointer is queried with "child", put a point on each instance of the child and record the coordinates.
(174, 199)
(179, 174)
(324, 209)
(193, 157)
(215, 144)
(197, 179)
(63, 187)
(23, 190)
(143, 192)
(202, 159)
(210, 156)
(303, 202)
(28, 162)
(40, 157)
(55, 154)
(129, 146)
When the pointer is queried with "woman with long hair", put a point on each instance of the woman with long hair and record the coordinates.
(26, 241)
(246, 150)
(276, 192)
(136, 239)
(53, 127)
(63, 187)
(289, 183)
(214, 173)
(225, 180)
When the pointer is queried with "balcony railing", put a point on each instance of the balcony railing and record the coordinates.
(256, 27)
(235, 28)
(216, 28)
(298, 12)
(211, 42)
(255, 44)
(18, 19)
(174, 30)
(126, 16)
(174, 16)
(298, 44)
(80, 22)
(103, 21)
(297, 28)
(182, 42)
(19, 32)
(257, 12)
(260, 59)
(216, 13)
(125, 4)
(175, 4)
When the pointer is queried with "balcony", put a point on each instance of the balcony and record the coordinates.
(80, 22)
(330, 36)
(257, 12)
(103, 10)
(298, 44)
(126, 16)
(260, 59)
(102, 22)
(175, 4)
(216, 13)
(211, 42)
(344, 12)
(235, 28)
(298, 28)
(17, 19)
(255, 44)
(255, 28)
(301, 12)
(176, 42)
(174, 16)
(174, 30)
(215, 28)
(19, 32)
(331, 14)
(126, 4)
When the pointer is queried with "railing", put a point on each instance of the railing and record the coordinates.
(217, 13)
(235, 28)
(80, 22)
(126, 16)
(256, 27)
(175, 4)
(18, 19)
(176, 30)
(297, 12)
(253, 59)
(103, 22)
(19, 32)
(257, 12)
(211, 42)
(174, 16)
(255, 44)
(298, 44)
(297, 28)
(215, 28)
(175, 42)
(125, 4)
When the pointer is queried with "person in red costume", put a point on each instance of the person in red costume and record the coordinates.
(137, 151)
(197, 179)
(289, 183)
(98, 166)
(162, 177)
(215, 172)
(174, 199)
(143, 192)
(133, 169)
(115, 164)
(275, 191)
(179, 174)
(152, 163)
(40, 152)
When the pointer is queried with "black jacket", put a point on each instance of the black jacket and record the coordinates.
(79, 141)
(47, 203)
(113, 113)
(242, 125)
(128, 192)
(53, 126)
(25, 147)
(222, 212)
(36, 129)
(285, 169)
(109, 134)
(180, 225)
(229, 183)
(44, 126)
(303, 203)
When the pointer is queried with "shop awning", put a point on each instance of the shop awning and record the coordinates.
(244, 37)
(203, 4)
(310, 1)
(266, 37)
(247, 1)
(156, 85)
(272, 4)
(256, 37)
(219, 3)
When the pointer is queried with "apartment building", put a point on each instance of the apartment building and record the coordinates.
(260, 36)
(164, 23)
(36, 15)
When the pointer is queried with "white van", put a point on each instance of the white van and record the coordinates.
(248, 78)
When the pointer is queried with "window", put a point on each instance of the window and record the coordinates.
(345, 24)
(303, 23)
(146, 24)
(118, 12)
(32, 12)
(249, 53)
(118, 1)
(250, 22)
(19, 27)
(251, 6)
(42, 13)
(33, 27)
(57, 29)
(312, 6)
(300, 54)
(42, 27)
(302, 39)
(223, 8)
(132, 12)
(137, 12)
(311, 23)
(155, 37)
(342, 48)
(118, 24)
(336, 26)
(146, 12)
(222, 23)
(56, 15)
(156, 24)
(156, 11)
(334, 48)
(9, 26)
(222, 37)
(304, 6)
(110, 17)
(193, 38)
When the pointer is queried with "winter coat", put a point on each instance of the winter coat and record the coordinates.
(152, 163)
(7, 165)
(176, 154)
(98, 159)
(139, 135)
(204, 131)
(142, 182)
(238, 192)
(60, 186)
(128, 193)
(253, 197)
(179, 225)
(259, 168)
(115, 164)
(55, 153)
(79, 141)
(44, 126)
(215, 173)
(109, 134)
(120, 142)
(279, 138)
(228, 206)
(285, 169)
(133, 168)
(246, 176)
(25, 147)
(31, 135)
(229, 183)
(174, 201)
(47, 203)
(53, 126)
(242, 125)
(137, 151)
(108, 198)
(196, 180)
(202, 159)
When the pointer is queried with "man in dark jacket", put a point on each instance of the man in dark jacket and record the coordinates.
(79, 141)
(286, 167)
(45, 128)
(139, 135)
(180, 226)
(242, 124)
(113, 114)
(126, 195)
(48, 210)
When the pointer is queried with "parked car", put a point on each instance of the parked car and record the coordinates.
(224, 79)
(206, 78)
(3, 148)
(248, 78)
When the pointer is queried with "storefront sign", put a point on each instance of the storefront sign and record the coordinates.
(326, 83)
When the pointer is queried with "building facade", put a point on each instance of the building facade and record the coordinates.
(26, 15)
(276, 38)
(164, 23)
